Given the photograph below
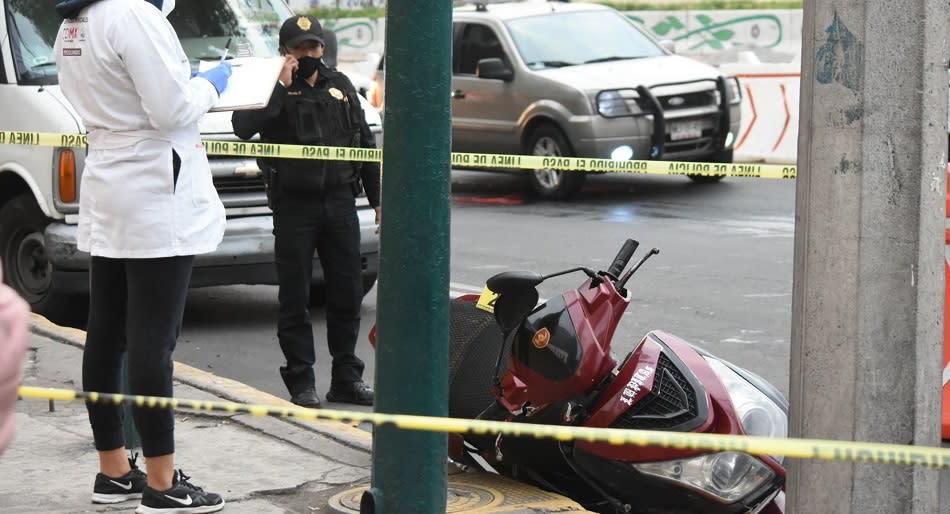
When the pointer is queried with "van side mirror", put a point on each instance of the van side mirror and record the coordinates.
(494, 68)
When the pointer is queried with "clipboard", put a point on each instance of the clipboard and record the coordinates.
(250, 85)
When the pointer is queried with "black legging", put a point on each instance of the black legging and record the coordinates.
(135, 305)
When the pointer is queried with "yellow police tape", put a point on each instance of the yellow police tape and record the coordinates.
(466, 160)
(875, 453)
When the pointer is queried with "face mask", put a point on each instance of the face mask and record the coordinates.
(307, 66)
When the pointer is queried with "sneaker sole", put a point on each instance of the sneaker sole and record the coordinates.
(142, 509)
(115, 498)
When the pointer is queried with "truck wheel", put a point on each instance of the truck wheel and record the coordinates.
(548, 141)
(23, 252)
(723, 156)
(318, 292)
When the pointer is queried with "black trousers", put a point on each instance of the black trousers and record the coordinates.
(135, 306)
(327, 223)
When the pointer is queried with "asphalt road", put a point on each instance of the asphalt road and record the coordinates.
(722, 280)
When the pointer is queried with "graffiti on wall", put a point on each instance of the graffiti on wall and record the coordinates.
(341, 4)
(692, 32)
(355, 34)
(712, 31)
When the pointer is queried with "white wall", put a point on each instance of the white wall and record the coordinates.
(713, 36)
(769, 126)
(303, 5)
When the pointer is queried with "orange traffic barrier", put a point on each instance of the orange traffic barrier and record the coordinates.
(945, 423)
(945, 410)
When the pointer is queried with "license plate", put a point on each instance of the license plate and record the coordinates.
(686, 130)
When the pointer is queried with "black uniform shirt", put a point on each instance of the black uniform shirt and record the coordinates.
(271, 123)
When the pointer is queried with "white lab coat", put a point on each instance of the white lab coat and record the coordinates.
(123, 69)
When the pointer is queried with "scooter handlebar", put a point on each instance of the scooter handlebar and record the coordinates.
(622, 258)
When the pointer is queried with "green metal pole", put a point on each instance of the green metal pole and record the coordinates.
(409, 467)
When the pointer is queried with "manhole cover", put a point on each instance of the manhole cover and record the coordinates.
(474, 492)
(460, 498)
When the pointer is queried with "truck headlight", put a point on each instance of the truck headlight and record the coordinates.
(733, 91)
(728, 476)
(615, 103)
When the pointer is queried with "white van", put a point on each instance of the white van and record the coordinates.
(39, 185)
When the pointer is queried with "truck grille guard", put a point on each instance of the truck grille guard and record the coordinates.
(651, 104)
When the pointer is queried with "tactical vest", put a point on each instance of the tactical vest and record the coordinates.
(328, 116)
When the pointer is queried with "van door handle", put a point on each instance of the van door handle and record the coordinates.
(458, 93)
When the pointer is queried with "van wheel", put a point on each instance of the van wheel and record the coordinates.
(548, 141)
(723, 156)
(318, 292)
(26, 268)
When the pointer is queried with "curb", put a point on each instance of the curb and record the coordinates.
(225, 388)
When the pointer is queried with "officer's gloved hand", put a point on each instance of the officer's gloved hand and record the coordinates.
(217, 76)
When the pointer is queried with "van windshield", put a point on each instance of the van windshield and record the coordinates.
(203, 26)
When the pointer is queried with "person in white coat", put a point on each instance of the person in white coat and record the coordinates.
(147, 207)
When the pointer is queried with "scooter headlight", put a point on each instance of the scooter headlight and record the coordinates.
(727, 476)
(760, 416)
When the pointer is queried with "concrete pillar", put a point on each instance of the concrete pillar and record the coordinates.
(868, 281)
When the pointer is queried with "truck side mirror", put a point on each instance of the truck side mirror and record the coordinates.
(494, 68)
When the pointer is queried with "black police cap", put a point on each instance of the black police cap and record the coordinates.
(298, 29)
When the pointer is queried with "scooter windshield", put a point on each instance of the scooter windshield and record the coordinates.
(555, 355)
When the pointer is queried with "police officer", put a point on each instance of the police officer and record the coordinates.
(314, 209)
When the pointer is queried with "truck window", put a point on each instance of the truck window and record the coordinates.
(582, 37)
(477, 42)
(203, 26)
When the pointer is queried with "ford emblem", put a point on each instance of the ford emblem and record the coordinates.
(676, 101)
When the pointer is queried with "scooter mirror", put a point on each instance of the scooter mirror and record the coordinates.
(514, 281)
(512, 307)
(516, 296)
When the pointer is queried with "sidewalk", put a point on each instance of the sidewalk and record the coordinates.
(259, 464)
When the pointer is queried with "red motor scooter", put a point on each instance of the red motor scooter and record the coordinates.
(560, 371)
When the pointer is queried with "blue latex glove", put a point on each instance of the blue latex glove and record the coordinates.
(217, 76)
